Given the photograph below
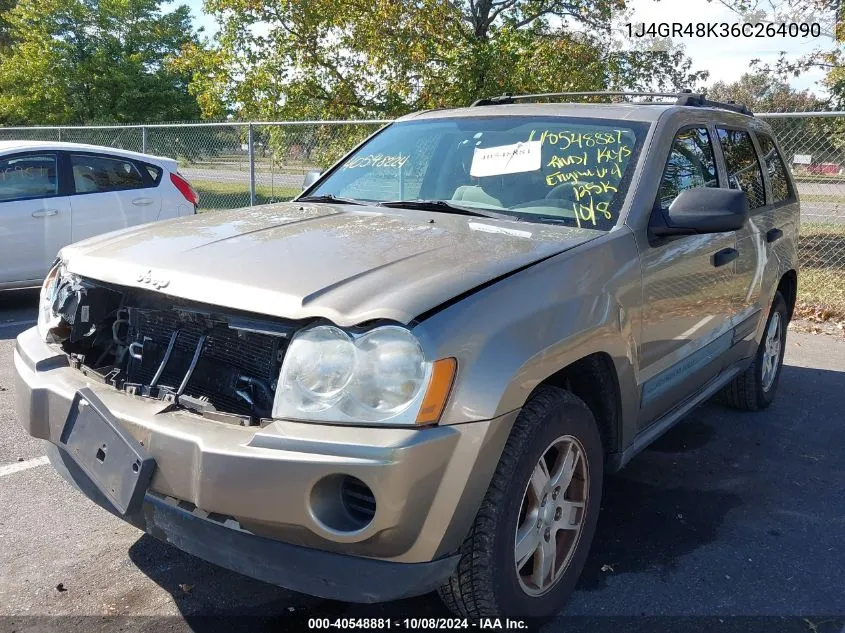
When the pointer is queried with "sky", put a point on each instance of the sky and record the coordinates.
(726, 59)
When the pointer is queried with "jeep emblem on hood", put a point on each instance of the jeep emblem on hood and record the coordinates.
(157, 283)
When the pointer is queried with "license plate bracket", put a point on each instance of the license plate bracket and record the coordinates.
(117, 464)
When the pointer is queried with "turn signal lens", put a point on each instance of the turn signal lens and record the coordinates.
(442, 377)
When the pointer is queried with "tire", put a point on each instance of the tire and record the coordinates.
(749, 391)
(556, 424)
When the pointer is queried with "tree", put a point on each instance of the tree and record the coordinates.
(765, 93)
(93, 61)
(5, 35)
(828, 55)
(382, 58)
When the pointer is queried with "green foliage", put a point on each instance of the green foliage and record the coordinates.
(276, 59)
(763, 92)
(92, 61)
(5, 34)
(829, 51)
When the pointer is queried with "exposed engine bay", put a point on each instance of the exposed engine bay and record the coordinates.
(220, 365)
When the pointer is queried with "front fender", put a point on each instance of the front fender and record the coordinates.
(512, 335)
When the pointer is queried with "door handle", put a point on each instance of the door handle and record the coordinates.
(142, 202)
(773, 235)
(45, 213)
(725, 256)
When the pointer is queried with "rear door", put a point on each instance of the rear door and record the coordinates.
(109, 193)
(35, 216)
(744, 172)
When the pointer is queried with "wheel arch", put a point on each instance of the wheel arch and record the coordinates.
(594, 380)
(788, 287)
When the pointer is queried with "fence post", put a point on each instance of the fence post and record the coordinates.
(251, 144)
(60, 135)
(144, 139)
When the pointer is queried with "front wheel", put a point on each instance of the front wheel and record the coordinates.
(533, 531)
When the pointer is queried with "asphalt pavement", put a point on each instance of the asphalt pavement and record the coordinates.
(732, 521)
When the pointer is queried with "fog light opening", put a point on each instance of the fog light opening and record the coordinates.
(343, 503)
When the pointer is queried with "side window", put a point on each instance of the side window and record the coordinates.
(95, 174)
(691, 164)
(24, 177)
(775, 168)
(154, 172)
(743, 167)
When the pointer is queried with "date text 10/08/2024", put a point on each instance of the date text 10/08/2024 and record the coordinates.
(417, 624)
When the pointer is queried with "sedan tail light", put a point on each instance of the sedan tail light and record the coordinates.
(185, 188)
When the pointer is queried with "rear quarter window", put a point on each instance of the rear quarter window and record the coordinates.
(154, 172)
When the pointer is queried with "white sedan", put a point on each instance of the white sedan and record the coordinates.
(53, 194)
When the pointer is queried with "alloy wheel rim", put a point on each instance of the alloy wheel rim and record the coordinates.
(551, 515)
(771, 351)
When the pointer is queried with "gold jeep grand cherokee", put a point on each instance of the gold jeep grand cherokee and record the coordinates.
(415, 376)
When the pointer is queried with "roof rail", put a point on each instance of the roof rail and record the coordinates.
(683, 98)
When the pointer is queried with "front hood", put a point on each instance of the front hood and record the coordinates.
(349, 264)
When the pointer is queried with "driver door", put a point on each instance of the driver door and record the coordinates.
(687, 291)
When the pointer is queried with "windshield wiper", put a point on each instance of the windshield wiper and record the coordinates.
(444, 206)
(331, 198)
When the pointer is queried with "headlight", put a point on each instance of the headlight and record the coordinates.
(317, 368)
(46, 318)
(390, 372)
(379, 376)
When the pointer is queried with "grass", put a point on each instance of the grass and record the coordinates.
(819, 178)
(820, 197)
(821, 279)
(229, 195)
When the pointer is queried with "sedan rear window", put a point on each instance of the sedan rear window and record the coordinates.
(563, 170)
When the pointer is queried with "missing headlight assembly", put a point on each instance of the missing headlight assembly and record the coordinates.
(223, 366)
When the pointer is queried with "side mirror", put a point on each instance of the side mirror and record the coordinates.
(311, 176)
(701, 210)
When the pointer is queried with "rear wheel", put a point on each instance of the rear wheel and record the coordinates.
(755, 388)
(532, 534)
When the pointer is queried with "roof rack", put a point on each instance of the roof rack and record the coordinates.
(683, 98)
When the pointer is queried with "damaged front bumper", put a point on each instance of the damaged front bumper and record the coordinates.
(273, 502)
(222, 542)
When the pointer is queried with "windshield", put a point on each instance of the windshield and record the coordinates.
(564, 170)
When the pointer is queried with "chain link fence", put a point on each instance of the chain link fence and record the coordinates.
(231, 165)
(234, 165)
(813, 145)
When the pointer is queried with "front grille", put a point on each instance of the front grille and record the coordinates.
(236, 370)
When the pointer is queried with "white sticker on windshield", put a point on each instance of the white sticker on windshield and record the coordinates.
(506, 159)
